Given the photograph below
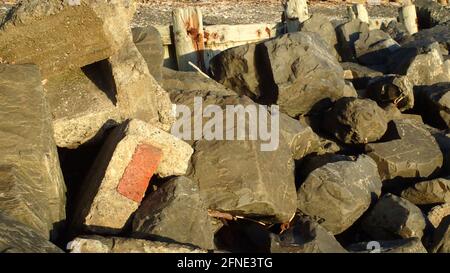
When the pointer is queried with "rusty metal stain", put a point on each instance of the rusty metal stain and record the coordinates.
(268, 32)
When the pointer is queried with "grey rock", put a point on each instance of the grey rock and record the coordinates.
(356, 121)
(149, 43)
(374, 47)
(414, 152)
(306, 236)
(428, 192)
(16, 237)
(431, 13)
(347, 34)
(435, 104)
(32, 189)
(176, 212)
(396, 30)
(393, 217)
(439, 33)
(410, 245)
(306, 75)
(360, 75)
(392, 89)
(441, 237)
(337, 194)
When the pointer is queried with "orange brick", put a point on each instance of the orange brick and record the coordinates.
(139, 171)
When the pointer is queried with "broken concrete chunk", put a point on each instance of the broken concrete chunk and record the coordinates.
(98, 244)
(392, 89)
(394, 217)
(306, 75)
(429, 192)
(359, 75)
(89, 32)
(415, 153)
(32, 189)
(15, 237)
(337, 194)
(431, 13)
(374, 47)
(175, 212)
(306, 236)
(118, 180)
(410, 245)
(356, 121)
(149, 43)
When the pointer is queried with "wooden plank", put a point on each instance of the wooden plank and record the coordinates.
(232, 34)
(189, 38)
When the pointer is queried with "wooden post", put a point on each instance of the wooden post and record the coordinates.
(189, 38)
(295, 13)
(360, 12)
(408, 17)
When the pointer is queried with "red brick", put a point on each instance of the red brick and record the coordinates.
(139, 171)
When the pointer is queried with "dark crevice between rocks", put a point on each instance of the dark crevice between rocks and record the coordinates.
(100, 73)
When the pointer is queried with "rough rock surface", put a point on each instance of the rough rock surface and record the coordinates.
(415, 153)
(359, 75)
(339, 193)
(306, 236)
(93, 31)
(32, 188)
(175, 211)
(429, 192)
(441, 238)
(98, 244)
(396, 30)
(149, 43)
(392, 89)
(16, 237)
(356, 121)
(305, 72)
(435, 103)
(410, 245)
(347, 34)
(374, 47)
(393, 217)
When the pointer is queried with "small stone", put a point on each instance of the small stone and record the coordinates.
(374, 47)
(347, 34)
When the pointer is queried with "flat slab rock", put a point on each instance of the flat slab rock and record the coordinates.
(16, 237)
(415, 154)
(98, 244)
(338, 193)
(435, 191)
(32, 188)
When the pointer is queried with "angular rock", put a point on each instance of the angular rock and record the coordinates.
(237, 69)
(396, 30)
(32, 189)
(98, 244)
(90, 31)
(438, 213)
(410, 245)
(415, 61)
(175, 212)
(360, 75)
(428, 192)
(347, 34)
(439, 33)
(118, 180)
(435, 104)
(306, 236)
(337, 194)
(16, 237)
(149, 43)
(415, 152)
(306, 75)
(321, 25)
(356, 121)
(441, 237)
(392, 89)
(374, 47)
(393, 217)
(430, 13)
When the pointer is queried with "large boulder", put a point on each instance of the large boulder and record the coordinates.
(414, 152)
(149, 43)
(60, 35)
(392, 89)
(429, 192)
(306, 75)
(356, 121)
(337, 194)
(347, 34)
(441, 237)
(16, 237)
(176, 212)
(374, 47)
(393, 217)
(358, 74)
(32, 188)
(306, 236)
(438, 213)
(434, 103)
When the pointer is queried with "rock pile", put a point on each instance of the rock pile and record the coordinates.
(333, 138)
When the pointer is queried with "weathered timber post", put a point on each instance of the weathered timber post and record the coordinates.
(408, 17)
(295, 13)
(189, 38)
